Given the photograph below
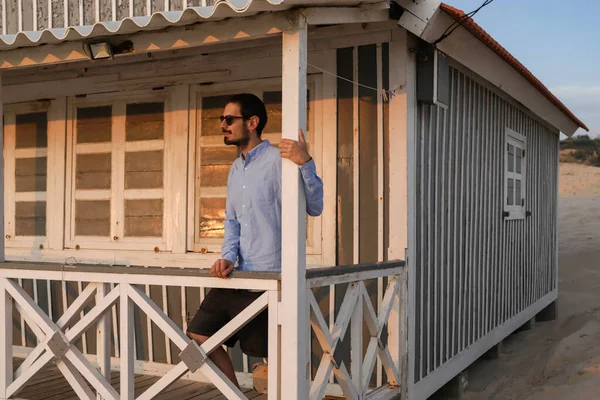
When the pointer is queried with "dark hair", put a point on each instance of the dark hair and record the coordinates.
(251, 105)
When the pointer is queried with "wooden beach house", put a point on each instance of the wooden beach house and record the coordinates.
(438, 153)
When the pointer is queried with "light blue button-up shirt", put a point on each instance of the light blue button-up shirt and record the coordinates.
(253, 210)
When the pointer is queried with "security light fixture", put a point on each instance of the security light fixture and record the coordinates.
(99, 50)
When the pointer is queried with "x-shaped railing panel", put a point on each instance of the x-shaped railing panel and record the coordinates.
(355, 294)
(78, 370)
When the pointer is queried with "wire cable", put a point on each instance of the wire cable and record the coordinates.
(460, 21)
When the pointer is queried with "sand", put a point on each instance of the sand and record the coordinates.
(558, 359)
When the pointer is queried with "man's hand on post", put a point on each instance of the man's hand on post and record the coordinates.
(295, 150)
(221, 268)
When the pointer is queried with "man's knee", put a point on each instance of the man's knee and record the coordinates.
(198, 338)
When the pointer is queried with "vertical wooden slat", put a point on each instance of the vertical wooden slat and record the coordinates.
(380, 189)
(555, 220)
(184, 310)
(34, 15)
(345, 158)
(165, 308)
(4, 13)
(430, 238)
(356, 166)
(84, 336)
(103, 334)
(50, 15)
(475, 187)
(434, 232)
(443, 234)
(20, 14)
(274, 378)
(490, 208)
(149, 330)
(6, 341)
(36, 300)
(451, 230)
(469, 212)
(488, 229)
(115, 326)
(49, 300)
(126, 328)
(422, 265)
(66, 13)
(480, 203)
(356, 342)
(463, 185)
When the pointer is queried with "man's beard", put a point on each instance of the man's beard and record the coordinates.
(237, 142)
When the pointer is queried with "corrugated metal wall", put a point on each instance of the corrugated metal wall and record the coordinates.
(475, 270)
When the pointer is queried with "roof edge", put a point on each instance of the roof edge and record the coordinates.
(470, 25)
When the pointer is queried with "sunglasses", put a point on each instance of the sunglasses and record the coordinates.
(229, 119)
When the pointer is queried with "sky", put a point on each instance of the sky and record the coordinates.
(557, 40)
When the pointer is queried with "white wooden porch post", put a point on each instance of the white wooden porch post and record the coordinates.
(294, 319)
(6, 355)
(2, 248)
(402, 125)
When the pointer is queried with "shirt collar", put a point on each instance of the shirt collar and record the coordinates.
(256, 152)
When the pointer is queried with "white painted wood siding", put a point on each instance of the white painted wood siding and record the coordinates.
(476, 273)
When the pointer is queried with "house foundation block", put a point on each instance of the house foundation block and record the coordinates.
(550, 313)
(453, 390)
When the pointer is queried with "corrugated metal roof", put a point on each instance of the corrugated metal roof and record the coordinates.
(162, 19)
(489, 41)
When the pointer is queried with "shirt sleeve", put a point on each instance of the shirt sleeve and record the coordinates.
(313, 188)
(231, 242)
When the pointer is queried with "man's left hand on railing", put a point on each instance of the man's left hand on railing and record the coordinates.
(221, 268)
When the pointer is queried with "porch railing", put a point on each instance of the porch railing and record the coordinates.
(113, 293)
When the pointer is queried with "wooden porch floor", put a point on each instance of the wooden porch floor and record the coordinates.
(49, 383)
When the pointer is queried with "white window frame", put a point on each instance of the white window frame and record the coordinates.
(314, 137)
(519, 141)
(10, 156)
(117, 193)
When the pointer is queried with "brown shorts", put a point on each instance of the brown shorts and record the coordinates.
(222, 305)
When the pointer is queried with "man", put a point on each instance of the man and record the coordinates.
(252, 224)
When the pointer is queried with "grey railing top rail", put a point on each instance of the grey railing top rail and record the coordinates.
(350, 273)
(132, 270)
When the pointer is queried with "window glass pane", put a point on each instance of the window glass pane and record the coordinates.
(272, 102)
(30, 174)
(31, 131)
(145, 121)
(212, 216)
(519, 160)
(510, 195)
(144, 169)
(215, 163)
(30, 218)
(511, 158)
(212, 108)
(92, 217)
(93, 171)
(144, 218)
(94, 124)
(517, 192)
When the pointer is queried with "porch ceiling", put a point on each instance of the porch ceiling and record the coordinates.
(221, 9)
